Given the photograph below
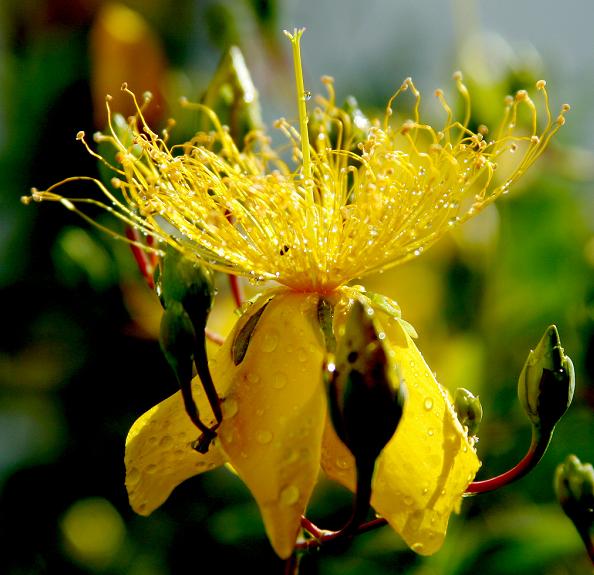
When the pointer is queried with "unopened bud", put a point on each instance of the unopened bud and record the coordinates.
(574, 486)
(468, 409)
(366, 396)
(547, 382)
(232, 95)
(188, 283)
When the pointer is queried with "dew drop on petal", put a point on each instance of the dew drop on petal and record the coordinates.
(289, 495)
(264, 436)
(166, 441)
(343, 463)
(428, 404)
(269, 341)
(133, 476)
(253, 377)
(151, 468)
(430, 432)
(230, 408)
(279, 380)
(417, 547)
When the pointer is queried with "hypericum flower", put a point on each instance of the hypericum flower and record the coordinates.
(364, 196)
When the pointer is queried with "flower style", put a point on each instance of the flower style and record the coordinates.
(365, 196)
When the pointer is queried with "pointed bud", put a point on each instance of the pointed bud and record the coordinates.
(546, 383)
(366, 396)
(468, 409)
(233, 96)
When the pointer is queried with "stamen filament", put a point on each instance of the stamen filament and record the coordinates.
(301, 99)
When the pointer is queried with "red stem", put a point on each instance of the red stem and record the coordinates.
(214, 336)
(538, 446)
(236, 290)
(145, 265)
(320, 537)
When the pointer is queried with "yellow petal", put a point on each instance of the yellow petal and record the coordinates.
(159, 454)
(273, 440)
(422, 473)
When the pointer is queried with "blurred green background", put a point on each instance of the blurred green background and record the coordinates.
(79, 360)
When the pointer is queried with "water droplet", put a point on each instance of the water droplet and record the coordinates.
(142, 508)
(269, 341)
(417, 547)
(430, 432)
(151, 468)
(307, 95)
(166, 442)
(264, 436)
(253, 377)
(230, 408)
(343, 463)
(133, 476)
(408, 500)
(302, 354)
(291, 457)
(279, 380)
(425, 491)
(289, 495)
(428, 404)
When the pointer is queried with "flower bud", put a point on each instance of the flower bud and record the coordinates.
(187, 292)
(546, 383)
(468, 409)
(574, 487)
(233, 96)
(366, 397)
(188, 283)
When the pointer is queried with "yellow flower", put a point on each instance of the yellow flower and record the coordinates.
(356, 204)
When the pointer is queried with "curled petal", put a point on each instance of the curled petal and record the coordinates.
(159, 453)
(275, 412)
